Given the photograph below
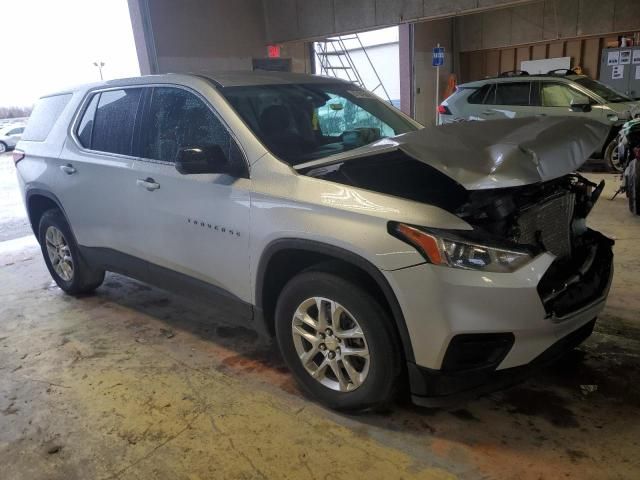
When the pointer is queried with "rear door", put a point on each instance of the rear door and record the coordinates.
(197, 224)
(95, 180)
(513, 99)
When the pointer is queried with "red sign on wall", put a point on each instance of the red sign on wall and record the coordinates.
(273, 51)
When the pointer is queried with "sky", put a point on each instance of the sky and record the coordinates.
(52, 44)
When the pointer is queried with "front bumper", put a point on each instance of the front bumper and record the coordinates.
(433, 388)
(468, 328)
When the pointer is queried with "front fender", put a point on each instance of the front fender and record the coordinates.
(332, 252)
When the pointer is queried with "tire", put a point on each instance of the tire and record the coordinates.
(612, 157)
(3, 147)
(74, 275)
(376, 377)
(633, 187)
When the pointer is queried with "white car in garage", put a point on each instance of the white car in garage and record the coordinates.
(518, 94)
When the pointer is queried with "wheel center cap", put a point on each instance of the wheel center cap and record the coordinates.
(331, 343)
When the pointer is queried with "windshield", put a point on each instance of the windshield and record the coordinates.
(604, 91)
(303, 122)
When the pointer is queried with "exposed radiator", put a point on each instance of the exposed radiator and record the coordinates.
(549, 224)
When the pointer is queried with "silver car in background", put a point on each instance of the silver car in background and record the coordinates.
(517, 95)
(377, 252)
(9, 136)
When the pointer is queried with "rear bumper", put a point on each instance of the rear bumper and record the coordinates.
(432, 388)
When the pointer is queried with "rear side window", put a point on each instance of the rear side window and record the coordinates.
(113, 121)
(513, 93)
(479, 95)
(44, 117)
(178, 119)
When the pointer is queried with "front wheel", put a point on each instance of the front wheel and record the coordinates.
(338, 341)
(3, 147)
(62, 256)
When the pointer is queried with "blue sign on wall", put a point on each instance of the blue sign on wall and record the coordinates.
(438, 57)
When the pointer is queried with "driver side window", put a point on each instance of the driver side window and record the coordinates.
(559, 95)
(339, 114)
(178, 119)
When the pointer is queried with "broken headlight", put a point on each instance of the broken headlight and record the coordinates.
(450, 251)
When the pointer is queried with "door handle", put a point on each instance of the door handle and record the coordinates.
(148, 183)
(68, 169)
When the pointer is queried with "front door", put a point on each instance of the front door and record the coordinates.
(557, 97)
(198, 224)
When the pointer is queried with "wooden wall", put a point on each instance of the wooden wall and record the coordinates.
(585, 52)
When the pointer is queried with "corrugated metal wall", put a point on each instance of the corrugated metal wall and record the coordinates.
(584, 52)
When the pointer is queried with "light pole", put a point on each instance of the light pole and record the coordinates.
(99, 65)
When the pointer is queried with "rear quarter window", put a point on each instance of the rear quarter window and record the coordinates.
(479, 95)
(44, 116)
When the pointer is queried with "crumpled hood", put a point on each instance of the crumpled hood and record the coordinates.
(494, 154)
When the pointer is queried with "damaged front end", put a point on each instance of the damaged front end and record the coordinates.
(550, 217)
(512, 183)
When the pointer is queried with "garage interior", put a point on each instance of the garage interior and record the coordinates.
(134, 382)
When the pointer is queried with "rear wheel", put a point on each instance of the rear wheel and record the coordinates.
(62, 256)
(338, 341)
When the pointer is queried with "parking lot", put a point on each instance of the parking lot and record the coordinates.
(133, 382)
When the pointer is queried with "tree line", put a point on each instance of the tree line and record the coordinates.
(15, 112)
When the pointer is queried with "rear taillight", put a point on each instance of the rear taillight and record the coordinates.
(17, 156)
(444, 110)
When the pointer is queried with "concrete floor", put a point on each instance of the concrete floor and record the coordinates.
(136, 383)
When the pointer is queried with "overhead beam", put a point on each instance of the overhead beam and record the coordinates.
(291, 20)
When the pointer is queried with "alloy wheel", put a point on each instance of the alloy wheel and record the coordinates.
(330, 344)
(59, 253)
(613, 157)
(616, 161)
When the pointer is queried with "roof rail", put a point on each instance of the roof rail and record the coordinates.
(562, 72)
(514, 73)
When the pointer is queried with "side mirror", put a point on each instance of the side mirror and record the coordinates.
(580, 104)
(207, 159)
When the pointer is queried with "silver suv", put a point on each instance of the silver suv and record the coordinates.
(377, 252)
(518, 94)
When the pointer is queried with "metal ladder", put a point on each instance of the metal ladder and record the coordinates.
(334, 57)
